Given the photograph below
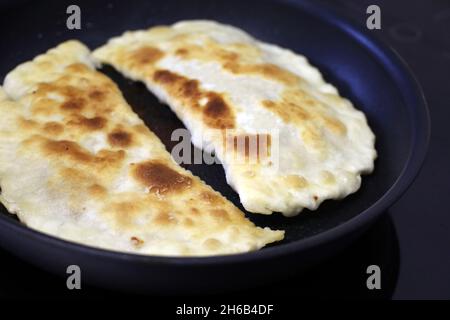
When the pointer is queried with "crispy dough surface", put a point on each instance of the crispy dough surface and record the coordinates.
(215, 76)
(77, 163)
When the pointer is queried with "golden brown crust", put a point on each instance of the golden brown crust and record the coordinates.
(160, 178)
(120, 138)
(146, 55)
(296, 105)
(216, 113)
(96, 174)
(216, 76)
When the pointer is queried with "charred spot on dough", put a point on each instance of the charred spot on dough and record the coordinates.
(70, 149)
(95, 123)
(190, 88)
(147, 55)
(269, 104)
(217, 113)
(137, 242)
(227, 56)
(105, 157)
(220, 214)
(216, 107)
(44, 106)
(181, 52)
(67, 148)
(67, 90)
(164, 218)
(166, 77)
(97, 190)
(97, 95)
(211, 50)
(186, 88)
(301, 108)
(27, 124)
(127, 206)
(74, 175)
(288, 111)
(298, 112)
(160, 178)
(267, 70)
(42, 87)
(274, 107)
(272, 71)
(120, 138)
(53, 128)
(73, 104)
(206, 52)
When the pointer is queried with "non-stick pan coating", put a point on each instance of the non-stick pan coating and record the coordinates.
(362, 69)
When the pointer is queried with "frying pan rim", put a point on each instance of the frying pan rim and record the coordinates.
(413, 96)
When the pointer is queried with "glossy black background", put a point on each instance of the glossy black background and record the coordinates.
(411, 244)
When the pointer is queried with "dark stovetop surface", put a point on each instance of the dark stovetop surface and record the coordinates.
(411, 243)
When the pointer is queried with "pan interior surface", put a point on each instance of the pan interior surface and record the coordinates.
(30, 28)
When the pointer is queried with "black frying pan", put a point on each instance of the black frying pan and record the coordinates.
(362, 68)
